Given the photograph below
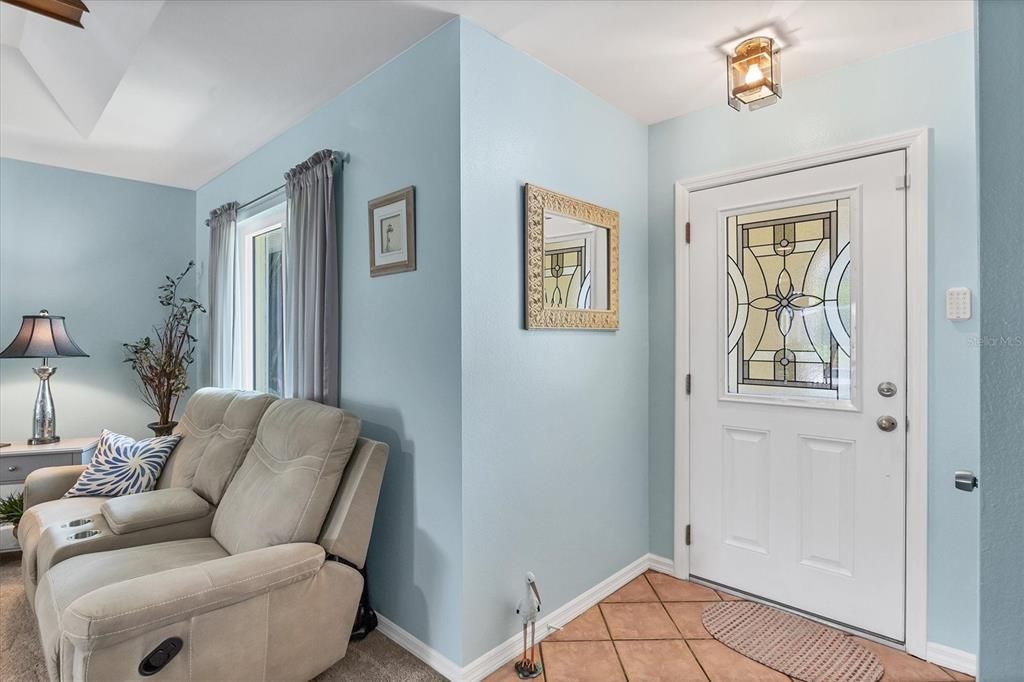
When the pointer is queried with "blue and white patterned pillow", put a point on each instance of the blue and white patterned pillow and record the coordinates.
(124, 466)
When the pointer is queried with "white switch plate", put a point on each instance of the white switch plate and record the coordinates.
(958, 303)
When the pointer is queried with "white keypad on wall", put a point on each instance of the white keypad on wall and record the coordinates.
(958, 303)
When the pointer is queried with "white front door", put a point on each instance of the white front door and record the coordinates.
(797, 299)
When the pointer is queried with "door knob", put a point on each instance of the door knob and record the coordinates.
(886, 423)
(965, 480)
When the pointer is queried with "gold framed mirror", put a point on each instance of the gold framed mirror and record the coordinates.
(572, 262)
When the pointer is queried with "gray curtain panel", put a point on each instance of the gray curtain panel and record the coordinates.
(311, 285)
(225, 352)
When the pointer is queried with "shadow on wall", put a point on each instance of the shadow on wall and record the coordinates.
(400, 552)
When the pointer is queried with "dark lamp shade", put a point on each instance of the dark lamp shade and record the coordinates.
(43, 336)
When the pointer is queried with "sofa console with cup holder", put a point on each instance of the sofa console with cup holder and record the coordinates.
(145, 518)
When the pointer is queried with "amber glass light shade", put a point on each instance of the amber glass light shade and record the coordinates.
(755, 77)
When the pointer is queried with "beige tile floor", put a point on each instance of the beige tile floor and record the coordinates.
(651, 631)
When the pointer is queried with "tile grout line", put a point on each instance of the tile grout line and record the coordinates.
(694, 654)
(670, 618)
(686, 642)
(611, 638)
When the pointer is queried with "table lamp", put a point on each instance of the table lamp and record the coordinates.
(43, 336)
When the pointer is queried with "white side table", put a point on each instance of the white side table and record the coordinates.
(19, 459)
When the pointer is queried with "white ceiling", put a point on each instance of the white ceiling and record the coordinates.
(183, 99)
(658, 59)
(177, 91)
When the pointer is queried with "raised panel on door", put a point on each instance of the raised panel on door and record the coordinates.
(746, 460)
(827, 503)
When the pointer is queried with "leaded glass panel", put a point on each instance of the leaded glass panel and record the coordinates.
(789, 314)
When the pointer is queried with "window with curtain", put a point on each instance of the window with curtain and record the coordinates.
(274, 299)
(261, 298)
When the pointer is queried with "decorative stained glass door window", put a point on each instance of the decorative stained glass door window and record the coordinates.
(789, 309)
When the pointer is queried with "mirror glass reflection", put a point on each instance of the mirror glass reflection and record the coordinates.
(575, 264)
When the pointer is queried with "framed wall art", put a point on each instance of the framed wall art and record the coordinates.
(393, 232)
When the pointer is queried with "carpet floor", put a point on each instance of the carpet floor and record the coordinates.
(375, 659)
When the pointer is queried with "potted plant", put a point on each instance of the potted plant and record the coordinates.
(11, 509)
(162, 361)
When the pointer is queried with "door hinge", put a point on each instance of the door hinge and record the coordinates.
(903, 181)
(687, 535)
(687, 232)
(689, 383)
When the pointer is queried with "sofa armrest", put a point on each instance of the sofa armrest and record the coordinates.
(346, 532)
(50, 483)
(133, 513)
(121, 611)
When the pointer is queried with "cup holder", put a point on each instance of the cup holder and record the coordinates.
(76, 523)
(83, 534)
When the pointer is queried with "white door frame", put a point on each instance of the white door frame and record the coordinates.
(916, 144)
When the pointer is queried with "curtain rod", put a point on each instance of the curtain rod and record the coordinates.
(343, 157)
(260, 197)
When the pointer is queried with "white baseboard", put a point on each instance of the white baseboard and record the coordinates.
(954, 659)
(435, 659)
(510, 648)
(662, 564)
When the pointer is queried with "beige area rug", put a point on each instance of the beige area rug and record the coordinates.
(790, 644)
(375, 659)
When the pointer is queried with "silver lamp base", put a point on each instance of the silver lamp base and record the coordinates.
(44, 417)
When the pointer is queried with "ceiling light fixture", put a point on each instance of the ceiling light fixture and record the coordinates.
(754, 74)
(66, 11)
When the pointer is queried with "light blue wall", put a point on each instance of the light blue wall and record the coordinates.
(554, 423)
(400, 341)
(877, 97)
(92, 248)
(1000, 26)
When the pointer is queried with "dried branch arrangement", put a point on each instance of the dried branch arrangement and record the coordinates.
(161, 362)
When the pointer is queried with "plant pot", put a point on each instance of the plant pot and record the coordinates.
(162, 429)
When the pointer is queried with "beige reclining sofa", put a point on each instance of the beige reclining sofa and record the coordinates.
(269, 592)
(217, 429)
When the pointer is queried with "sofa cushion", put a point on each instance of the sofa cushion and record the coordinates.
(218, 428)
(69, 580)
(122, 465)
(155, 508)
(286, 484)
